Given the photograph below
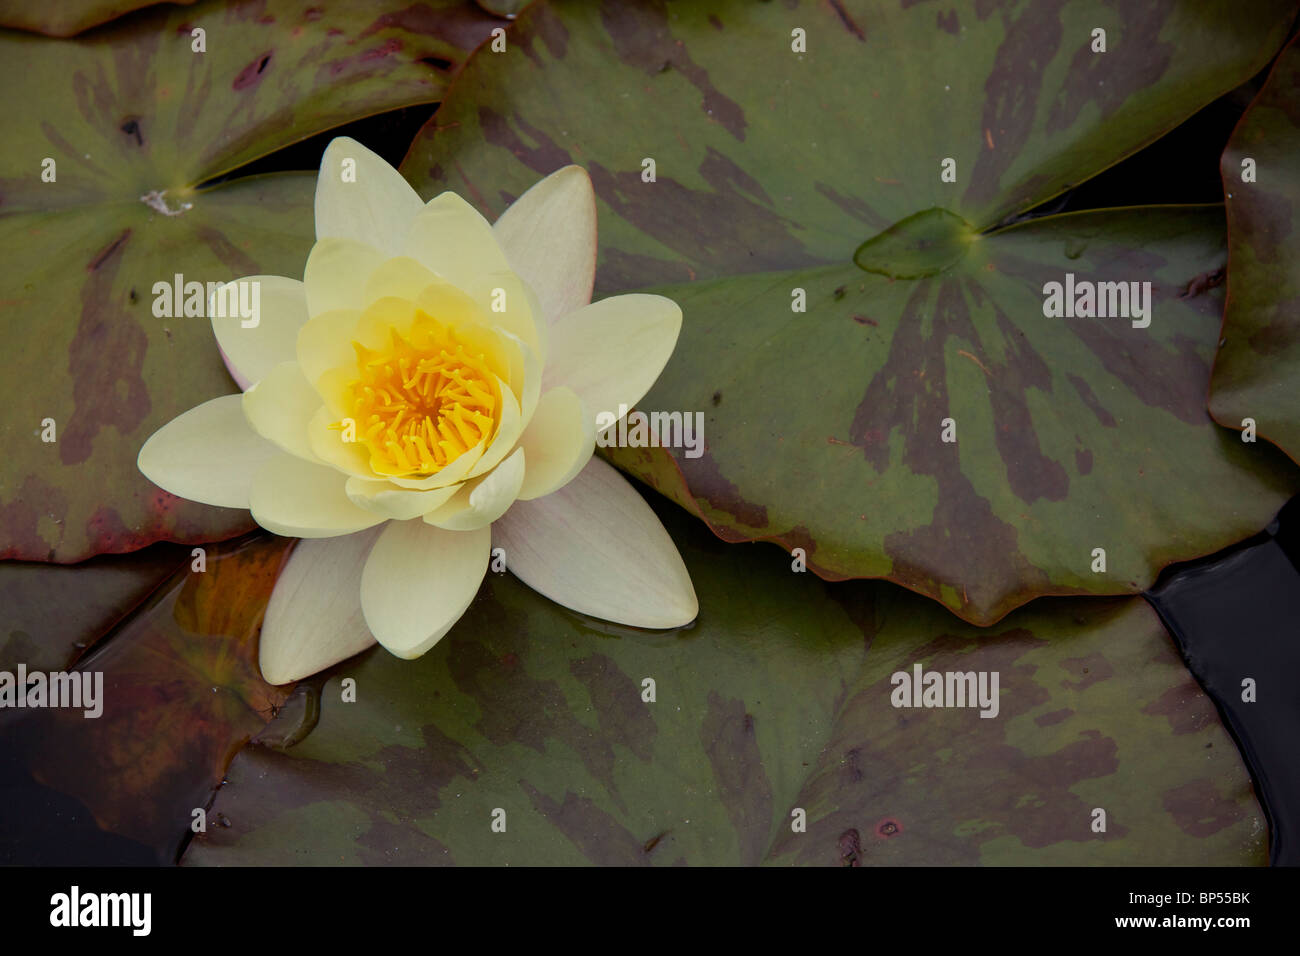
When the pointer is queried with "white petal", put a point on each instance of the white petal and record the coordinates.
(376, 208)
(596, 547)
(478, 503)
(301, 500)
(209, 454)
(549, 238)
(250, 353)
(280, 407)
(452, 239)
(558, 441)
(418, 581)
(611, 352)
(314, 619)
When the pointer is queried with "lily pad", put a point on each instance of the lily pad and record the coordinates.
(536, 716)
(67, 17)
(1257, 370)
(181, 693)
(824, 428)
(127, 125)
(52, 614)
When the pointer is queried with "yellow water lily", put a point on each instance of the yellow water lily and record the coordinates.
(427, 393)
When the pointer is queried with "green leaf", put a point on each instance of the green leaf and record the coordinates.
(1257, 370)
(135, 122)
(1071, 433)
(770, 702)
(67, 17)
(823, 429)
(181, 693)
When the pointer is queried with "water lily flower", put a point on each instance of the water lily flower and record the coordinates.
(428, 392)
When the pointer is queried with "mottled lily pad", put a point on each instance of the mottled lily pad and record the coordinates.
(824, 428)
(181, 694)
(67, 17)
(1257, 370)
(51, 614)
(135, 121)
(769, 704)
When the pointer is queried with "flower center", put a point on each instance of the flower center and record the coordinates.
(422, 401)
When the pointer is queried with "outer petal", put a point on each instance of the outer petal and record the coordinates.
(558, 441)
(337, 274)
(376, 207)
(250, 353)
(418, 581)
(209, 454)
(314, 619)
(549, 238)
(295, 498)
(611, 352)
(452, 239)
(478, 503)
(280, 406)
(596, 547)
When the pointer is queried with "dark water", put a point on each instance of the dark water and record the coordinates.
(1236, 617)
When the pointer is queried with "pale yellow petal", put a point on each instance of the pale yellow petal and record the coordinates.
(596, 547)
(366, 199)
(337, 273)
(325, 343)
(611, 352)
(280, 406)
(208, 454)
(251, 350)
(508, 431)
(558, 441)
(402, 277)
(314, 619)
(332, 446)
(418, 581)
(381, 319)
(549, 238)
(525, 378)
(298, 499)
(392, 501)
(509, 304)
(452, 239)
(480, 502)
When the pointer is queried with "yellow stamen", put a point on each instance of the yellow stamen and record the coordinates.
(423, 401)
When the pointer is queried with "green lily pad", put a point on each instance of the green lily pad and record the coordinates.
(135, 122)
(67, 17)
(768, 704)
(1257, 370)
(824, 428)
(181, 694)
(1070, 434)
